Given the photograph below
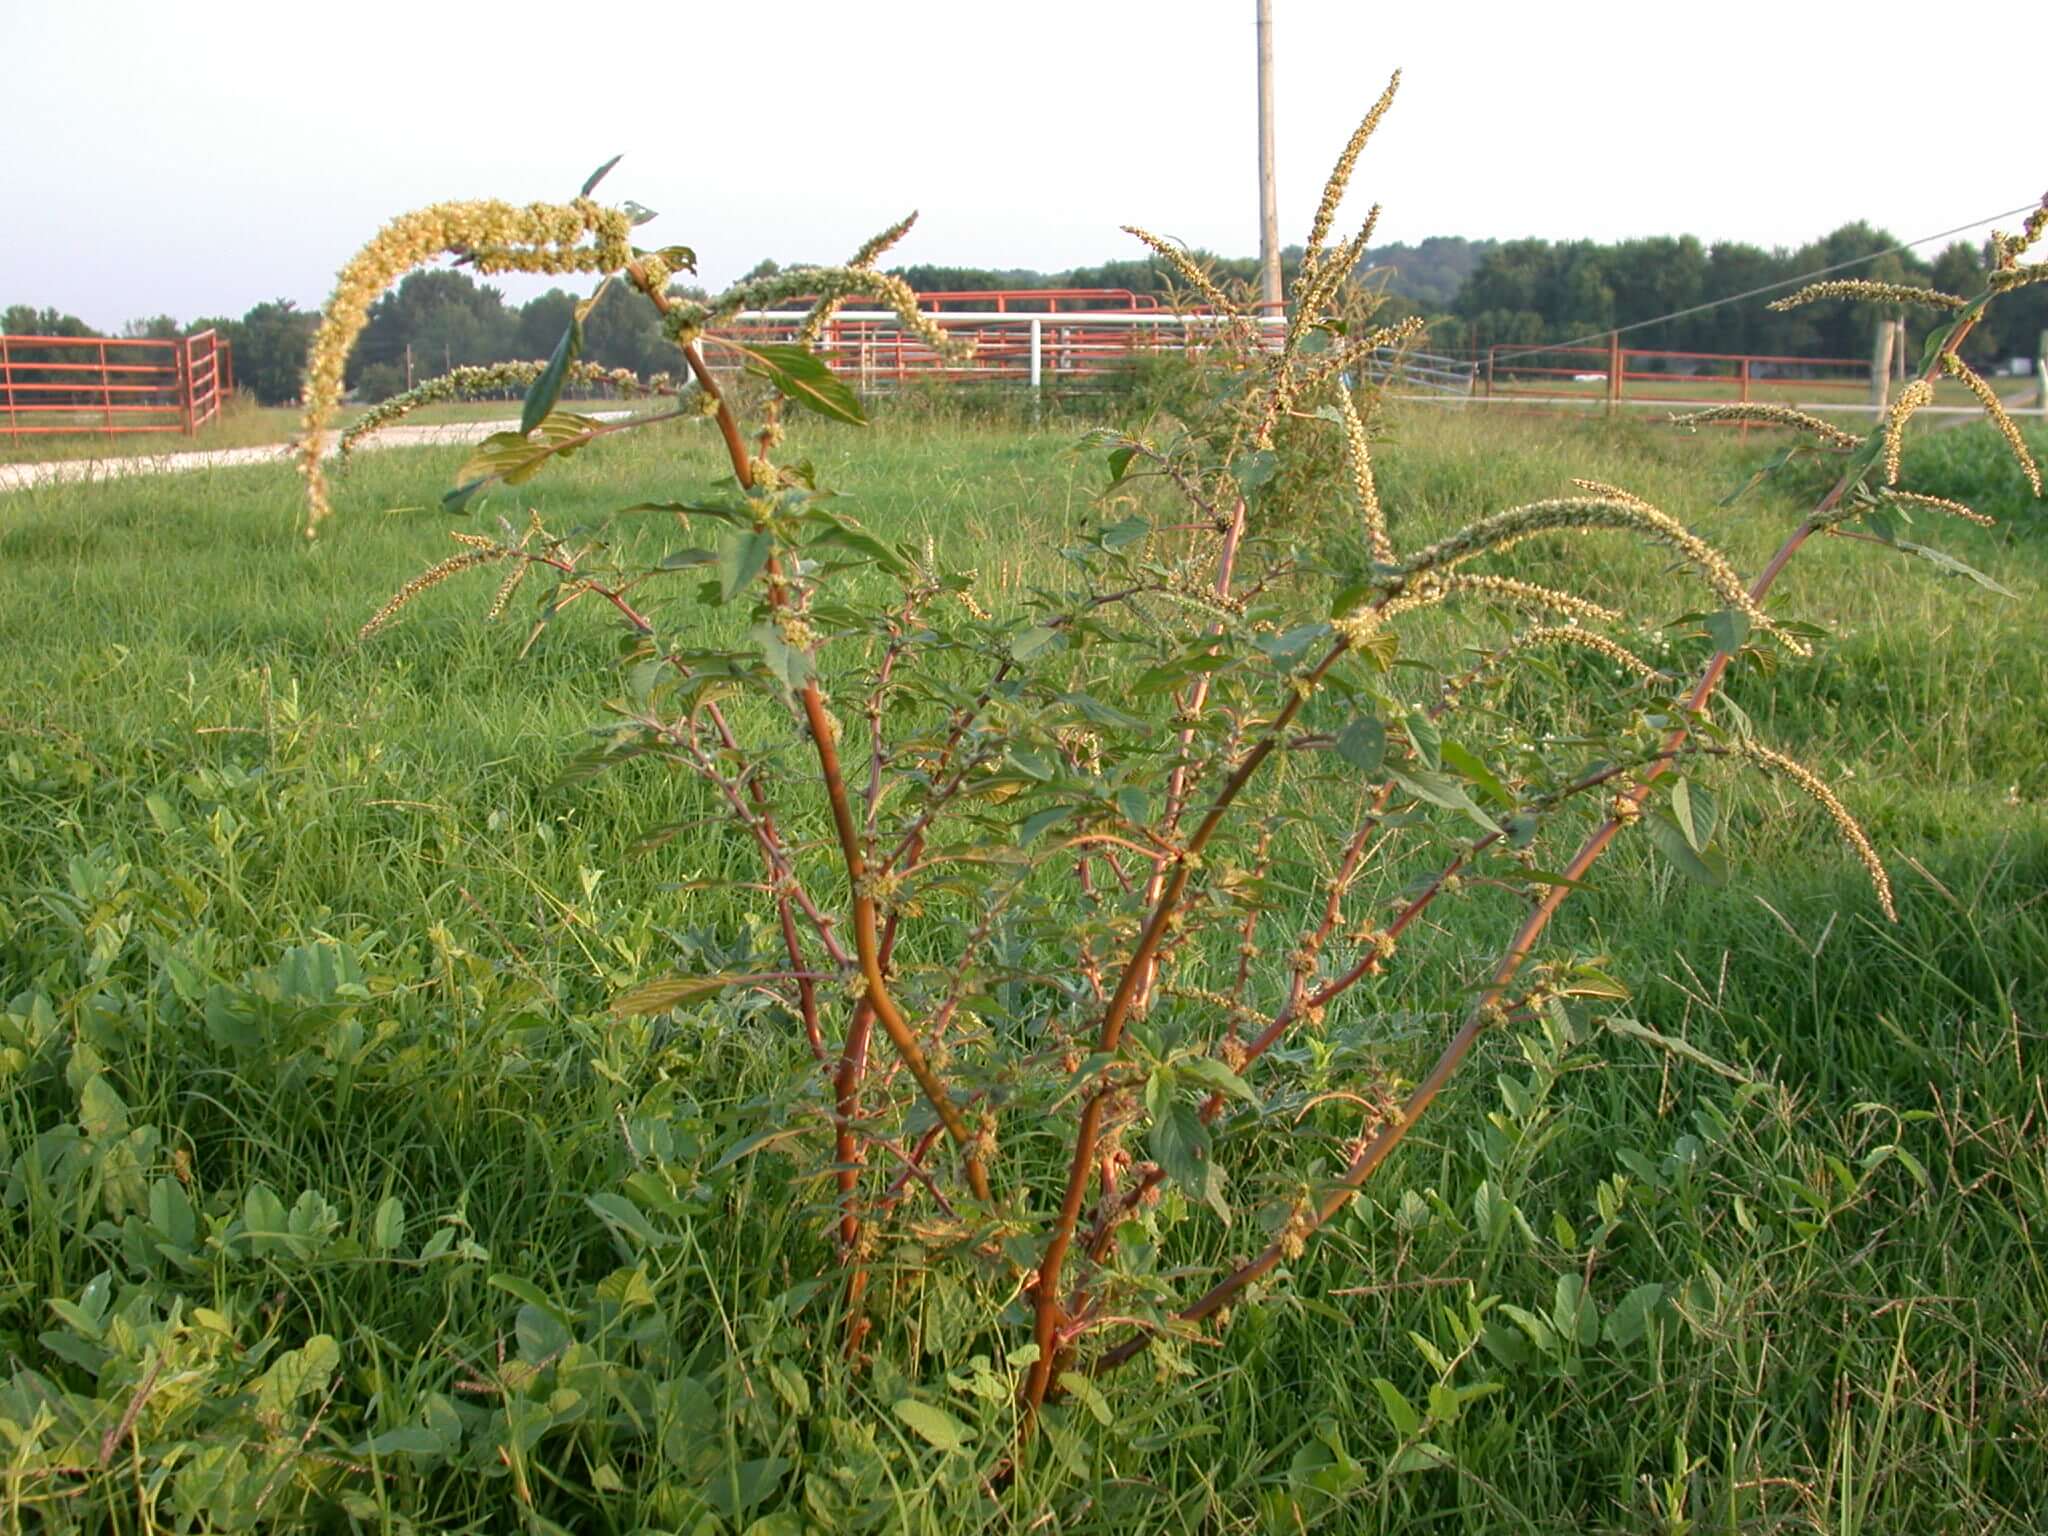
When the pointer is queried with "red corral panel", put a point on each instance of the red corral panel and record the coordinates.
(109, 385)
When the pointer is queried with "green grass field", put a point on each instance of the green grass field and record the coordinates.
(314, 1123)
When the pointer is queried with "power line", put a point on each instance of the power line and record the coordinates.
(1737, 298)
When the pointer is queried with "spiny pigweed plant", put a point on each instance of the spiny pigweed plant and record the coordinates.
(1112, 876)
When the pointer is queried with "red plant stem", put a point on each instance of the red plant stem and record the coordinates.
(1046, 1308)
(1391, 1134)
(866, 941)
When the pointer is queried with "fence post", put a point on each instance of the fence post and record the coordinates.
(1037, 352)
(1613, 371)
(7, 388)
(1881, 365)
(2041, 369)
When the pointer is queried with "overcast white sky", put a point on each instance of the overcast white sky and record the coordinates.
(182, 158)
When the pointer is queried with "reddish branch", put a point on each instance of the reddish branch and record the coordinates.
(1392, 1131)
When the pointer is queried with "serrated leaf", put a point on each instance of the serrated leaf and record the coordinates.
(934, 1426)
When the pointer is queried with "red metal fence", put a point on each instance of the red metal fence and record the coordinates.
(1066, 338)
(111, 385)
(1620, 375)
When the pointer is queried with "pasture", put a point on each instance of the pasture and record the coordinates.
(335, 1197)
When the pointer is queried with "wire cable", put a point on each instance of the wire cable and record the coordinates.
(1737, 298)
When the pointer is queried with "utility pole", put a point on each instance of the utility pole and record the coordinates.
(1269, 201)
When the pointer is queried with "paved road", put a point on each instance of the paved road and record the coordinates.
(15, 477)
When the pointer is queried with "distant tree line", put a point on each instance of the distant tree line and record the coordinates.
(1473, 293)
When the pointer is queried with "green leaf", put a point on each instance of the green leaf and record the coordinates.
(1423, 1456)
(1179, 1144)
(1468, 765)
(803, 379)
(407, 1440)
(545, 390)
(540, 1334)
(1406, 1421)
(1214, 1075)
(387, 1227)
(1446, 792)
(1631, 1316)
(615, 1210)
(1707, 867)
(1119, 463)
(100, 1109)
(263, 1219)
(934, 1426)
(1120, 534)
(847, 534)
(1573, 1312)
(1632, 1029)
(1029, 830)
(1363, 744)
(1255, 469)
(1425, 737)
(459, 498)
(1087, 1394)
(1728, 629)
(1693, 810)
(742, 554)
(516, 458)
(1028, 643)
(296, 1373)
(660, 996)
(789, 663)
(590, 182)
(1954, 567)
